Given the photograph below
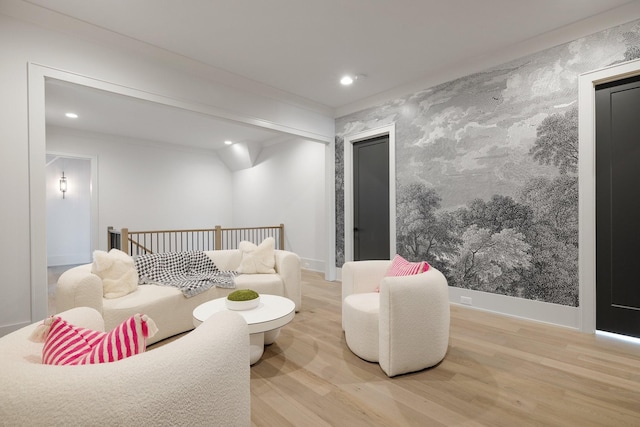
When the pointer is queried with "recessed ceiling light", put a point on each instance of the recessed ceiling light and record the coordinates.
(227, 142)
(72, 115)
(346, 80)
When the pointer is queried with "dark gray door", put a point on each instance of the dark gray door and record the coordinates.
(371, 199)
(618, 207)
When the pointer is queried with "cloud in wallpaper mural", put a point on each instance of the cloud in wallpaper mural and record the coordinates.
(487, 186)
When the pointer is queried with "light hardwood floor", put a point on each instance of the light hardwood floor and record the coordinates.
(498, 371)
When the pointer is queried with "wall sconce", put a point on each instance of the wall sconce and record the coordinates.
(63, 184)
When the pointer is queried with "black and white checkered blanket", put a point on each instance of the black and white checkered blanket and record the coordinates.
(191, 272)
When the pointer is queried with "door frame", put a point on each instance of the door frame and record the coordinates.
(587, 184)
(37, 74)
(349, 140)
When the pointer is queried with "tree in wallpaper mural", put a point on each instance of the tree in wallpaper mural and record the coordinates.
(506, 246)
(487, 185)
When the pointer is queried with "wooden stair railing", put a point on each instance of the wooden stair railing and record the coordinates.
(146, 242)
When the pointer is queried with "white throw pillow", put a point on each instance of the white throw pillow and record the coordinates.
(117, 271)
(257, 259)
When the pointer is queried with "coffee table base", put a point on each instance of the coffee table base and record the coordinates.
(257, 343)
(270, 336)
(264, 321)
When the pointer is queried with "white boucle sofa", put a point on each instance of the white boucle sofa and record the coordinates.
(172, 311)
(200, 379)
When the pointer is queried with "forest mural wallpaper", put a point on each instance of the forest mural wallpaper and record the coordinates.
(486, 181)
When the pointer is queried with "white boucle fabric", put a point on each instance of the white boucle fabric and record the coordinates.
(362, 277)
(413, 319)
(166, 305)
(361, 321)
(117, 271)
(201, 379)
(414, 322)
(257, 259)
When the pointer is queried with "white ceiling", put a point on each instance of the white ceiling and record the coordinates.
(303, 47)
(113, 114)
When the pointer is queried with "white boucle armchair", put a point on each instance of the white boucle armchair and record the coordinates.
(200, 379)
(405, 326)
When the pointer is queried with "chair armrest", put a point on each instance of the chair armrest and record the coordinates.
(79, 287)
(288, 267)
(362, 276)
(208, 369)
(84, 317)
(414, 322)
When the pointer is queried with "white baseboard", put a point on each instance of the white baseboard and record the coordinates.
(7, 329)
(555, 314)
(312, 264)
(68, 259)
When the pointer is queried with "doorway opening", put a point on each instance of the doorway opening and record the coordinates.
(349, 207)
(68, 211)
(71, 215)
(371, 199)
(587, 184)
(617, 207)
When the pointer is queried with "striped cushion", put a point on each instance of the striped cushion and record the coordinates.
(402, 267)
(65, 344)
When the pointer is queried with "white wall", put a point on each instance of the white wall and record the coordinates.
(152, 186)
(287, 186)
(68, 218)
(581, 317)
(104, 57)
(145, 185)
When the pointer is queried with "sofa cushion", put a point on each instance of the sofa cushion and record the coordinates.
(261, 283)
(66, 344)
(117, 271)
(171, 311)
(258, 259)
(166, 305)
(361, 320)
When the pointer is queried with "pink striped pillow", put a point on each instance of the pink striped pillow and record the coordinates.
(65, 344)
(402, 267)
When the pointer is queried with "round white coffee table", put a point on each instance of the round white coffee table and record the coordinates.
(264, 321)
